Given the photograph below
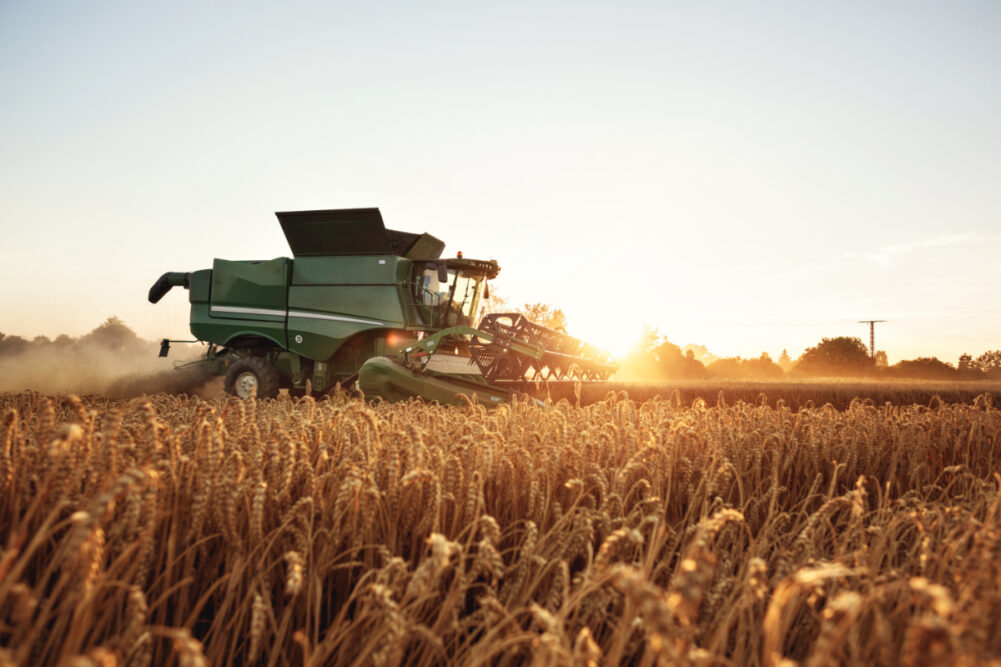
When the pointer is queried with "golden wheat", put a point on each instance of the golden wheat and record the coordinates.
(292, 532)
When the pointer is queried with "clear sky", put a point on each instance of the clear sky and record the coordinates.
(750, 176)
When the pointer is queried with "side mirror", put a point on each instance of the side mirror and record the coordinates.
(442, 273)
(164, 347)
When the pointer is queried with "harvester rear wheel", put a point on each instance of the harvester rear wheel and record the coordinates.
(250, 376)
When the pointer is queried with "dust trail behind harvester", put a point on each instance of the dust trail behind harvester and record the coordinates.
(119, 366)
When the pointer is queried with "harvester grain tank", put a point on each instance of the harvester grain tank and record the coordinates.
(359, 304)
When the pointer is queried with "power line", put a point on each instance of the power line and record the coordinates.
(872, 335)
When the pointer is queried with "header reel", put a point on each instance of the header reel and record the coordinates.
(508, 352)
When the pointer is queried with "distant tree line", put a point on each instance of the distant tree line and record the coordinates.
(655, 358)
(112, 334)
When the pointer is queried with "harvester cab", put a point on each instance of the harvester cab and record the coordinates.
(359, 303)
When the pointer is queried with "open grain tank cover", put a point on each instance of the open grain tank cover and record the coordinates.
(352, 231)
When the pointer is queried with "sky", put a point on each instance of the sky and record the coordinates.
(748, 176)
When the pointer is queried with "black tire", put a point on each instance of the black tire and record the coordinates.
(244, 375)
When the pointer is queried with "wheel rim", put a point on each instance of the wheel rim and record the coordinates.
(245, 385)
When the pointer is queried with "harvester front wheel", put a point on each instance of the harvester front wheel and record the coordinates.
(252, 376)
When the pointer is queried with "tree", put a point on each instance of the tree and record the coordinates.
(649, 339)
(736, 368)
(923, 368)
(880, 359)
(671, 363)
(11, 345)
(989, 363)
(639, 363)
(545, 314)
(967, 368)
(785, 361)
(653, 357)
(764, 367)
(842, 356)
(114, 335)
(728, 368)
(496, 303)
(700, 352)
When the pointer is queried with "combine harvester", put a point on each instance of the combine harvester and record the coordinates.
(365, 306)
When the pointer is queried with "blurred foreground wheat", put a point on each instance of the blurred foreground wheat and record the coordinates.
(178, 531)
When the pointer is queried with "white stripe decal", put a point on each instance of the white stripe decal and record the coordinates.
(247, 311)
(335, 318)
(293, 313)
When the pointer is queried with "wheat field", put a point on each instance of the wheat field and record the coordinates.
(174, 530)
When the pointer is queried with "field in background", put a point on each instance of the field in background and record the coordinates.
(793, 394)
(781, 393)
(335, 532)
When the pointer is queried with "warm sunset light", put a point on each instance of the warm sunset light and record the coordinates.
(500, 333)
(609, 335)
(749, 179)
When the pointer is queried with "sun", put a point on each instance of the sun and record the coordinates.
(610, 335)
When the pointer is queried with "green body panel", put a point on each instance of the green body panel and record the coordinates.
(332, 299)
(319, 339)
(350, 270)
(240, 300)
(250, 290)
(200, 286)
(381, 376)
(323, 317)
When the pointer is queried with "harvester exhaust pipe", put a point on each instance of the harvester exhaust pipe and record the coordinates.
(166, 281)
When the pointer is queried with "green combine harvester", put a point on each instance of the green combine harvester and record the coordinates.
(369, 308)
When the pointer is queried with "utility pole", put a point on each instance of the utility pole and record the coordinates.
(872, 335)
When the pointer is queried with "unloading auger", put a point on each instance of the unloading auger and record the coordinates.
(380, 309)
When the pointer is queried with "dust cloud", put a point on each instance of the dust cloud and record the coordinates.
(90, 369)
(110, 361)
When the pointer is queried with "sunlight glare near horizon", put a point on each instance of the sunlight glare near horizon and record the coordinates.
(745, 176)
(608, 333)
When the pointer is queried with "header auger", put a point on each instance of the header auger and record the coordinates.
(362, 305)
